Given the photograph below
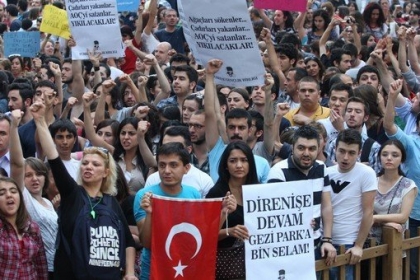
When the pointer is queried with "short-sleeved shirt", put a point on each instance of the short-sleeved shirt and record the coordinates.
(140, 214)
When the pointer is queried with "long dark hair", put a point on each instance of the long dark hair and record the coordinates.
(321, 13)
(119, 150)
(122, 186)
(367, 14)
(40, 168)
(22, 216)
(288, 24)
(224, 176)
(400, 146)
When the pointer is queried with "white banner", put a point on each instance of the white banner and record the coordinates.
(278, 218)
(94, 25)
(222, 29)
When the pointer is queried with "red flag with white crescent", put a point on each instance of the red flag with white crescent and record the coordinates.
(184, 238)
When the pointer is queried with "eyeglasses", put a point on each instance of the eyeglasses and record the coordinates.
(96, 149)
(195, 125)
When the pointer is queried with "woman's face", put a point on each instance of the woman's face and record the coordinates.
(236, 100)
(391, 157)
(188, 108)
(16, 66)
(312, 68)
(408, 8)
(278, 17)
(128, 137)
(34, 181)
(49, 49)
(319, 22)
(106, 134)
(352, 8)
(375, 15)
(238, 165)
(92, 169)
(9, 199)
(371, 41)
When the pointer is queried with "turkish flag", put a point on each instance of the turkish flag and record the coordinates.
(184, 238)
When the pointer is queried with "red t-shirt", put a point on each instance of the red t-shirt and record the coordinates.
(130, 59)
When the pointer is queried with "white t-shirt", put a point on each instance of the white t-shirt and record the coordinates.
(46, 218)
(72, 167)
(346, 197)
(194, 178)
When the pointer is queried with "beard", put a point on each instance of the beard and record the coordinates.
(200, 141)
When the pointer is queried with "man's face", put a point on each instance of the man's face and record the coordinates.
(161, 54)
(258, 95)
(338, 101)
(128, 98)
(171, 170)
(181, 84)
(290, 84)
(171, 18)
(36, 4)
(45, 95)
(15, 100)
(305, 152)
(4, 136)
(345, 63)
(414, 19)
(197, 129)
(346, 79)
(237, 129)
(64, 142)
(285, 62)
(67, 73)
(369, 78)
(309, 95)
(44, 76)
(346, 155)
(355, 115)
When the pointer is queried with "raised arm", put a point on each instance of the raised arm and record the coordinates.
(139, 23)
(213, 66)
(391, 56)
(266, 20)
(55, 68)
(47, 143)
(324, 38)
(394, 90)
(269, 135)
(95, 59)
(107, 86)
(134, 90)
(272, 56)
(146, 153)
(402, 49)
(95, 139)
(412, 51)
(384, 75)
(17, 162)
(152, 15)
(150, 59)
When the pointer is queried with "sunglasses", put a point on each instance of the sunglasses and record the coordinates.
(96, 149)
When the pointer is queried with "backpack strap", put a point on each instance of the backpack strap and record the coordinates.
(367, 145)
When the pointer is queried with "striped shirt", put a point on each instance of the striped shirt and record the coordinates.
(286, 171)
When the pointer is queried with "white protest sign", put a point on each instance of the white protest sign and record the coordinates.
(94, 25)
(222, 29)
(278, 218)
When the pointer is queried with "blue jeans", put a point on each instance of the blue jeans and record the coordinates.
(414, 255)
(335, 271)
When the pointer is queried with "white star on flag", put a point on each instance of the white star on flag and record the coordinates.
(179, 268)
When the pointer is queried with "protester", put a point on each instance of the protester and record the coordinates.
(88, 201)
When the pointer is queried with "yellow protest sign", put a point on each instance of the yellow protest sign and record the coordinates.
(55, 22)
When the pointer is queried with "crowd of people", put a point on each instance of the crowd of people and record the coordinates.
(84, 145)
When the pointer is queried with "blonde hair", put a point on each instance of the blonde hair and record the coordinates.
(109, 183)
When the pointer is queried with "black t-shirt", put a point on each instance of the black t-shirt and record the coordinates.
(234, 218)
(71, 204)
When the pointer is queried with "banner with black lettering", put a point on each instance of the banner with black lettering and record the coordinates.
(278, 218)
(222, 29)
(95, 26)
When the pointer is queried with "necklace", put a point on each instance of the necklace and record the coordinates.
(92, 211)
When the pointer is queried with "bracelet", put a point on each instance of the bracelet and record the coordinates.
(326, 241)
(96, 68)
(328, 238)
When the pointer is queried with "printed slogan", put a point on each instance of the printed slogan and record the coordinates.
(278, 217)
(94, 25)
(212, 32)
